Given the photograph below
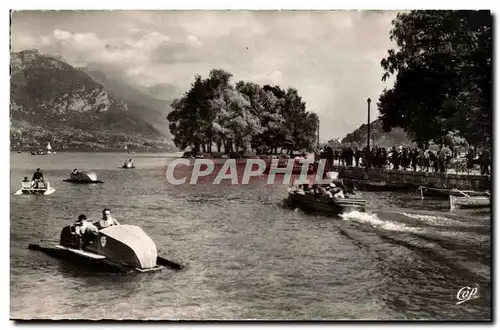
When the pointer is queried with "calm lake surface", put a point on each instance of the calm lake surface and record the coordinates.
(246, 256)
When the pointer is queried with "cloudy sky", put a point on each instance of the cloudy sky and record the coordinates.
(331, 57)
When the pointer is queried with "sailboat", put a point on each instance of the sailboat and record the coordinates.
(49, 149)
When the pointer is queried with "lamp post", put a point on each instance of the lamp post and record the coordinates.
(368, 135)
(317, 138)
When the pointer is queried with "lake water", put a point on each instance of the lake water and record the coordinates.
(246, 256)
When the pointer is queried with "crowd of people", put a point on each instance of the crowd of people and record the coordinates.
(408, 158)
(330, 191)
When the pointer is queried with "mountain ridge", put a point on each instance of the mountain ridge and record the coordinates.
(48, 94)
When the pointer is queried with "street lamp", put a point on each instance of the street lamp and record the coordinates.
(368, 135)
(317, 138)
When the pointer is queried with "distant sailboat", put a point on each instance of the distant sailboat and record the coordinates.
(49, 149)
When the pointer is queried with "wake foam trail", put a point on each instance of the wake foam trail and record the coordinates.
(432, 219)
(373, 220)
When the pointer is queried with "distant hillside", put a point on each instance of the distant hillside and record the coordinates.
(150, 109)
(378, 137)
(51, 101)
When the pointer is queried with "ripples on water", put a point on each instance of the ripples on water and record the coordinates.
(246, 256)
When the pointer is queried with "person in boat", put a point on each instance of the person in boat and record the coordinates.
(328, 192)
(300, 190)
(75, 172)
(107, 220)
(317, 191)
(82, 226)
(337, 192)
(37, 178)
(25, 183)
(85, 230)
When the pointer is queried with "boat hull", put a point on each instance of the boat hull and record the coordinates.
(83, 181)
(475, 202)
(83, 177)
(88, 262)
(42, 190)
(35, 191)
(310, 203)
(119, 248)
(446, 193)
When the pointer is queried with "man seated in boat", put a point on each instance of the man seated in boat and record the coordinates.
(328, 193)
(317, 190)
(37, 178)
(107, 220)
(75, 172)
(300, 190)
(336, 192)
(85, 230)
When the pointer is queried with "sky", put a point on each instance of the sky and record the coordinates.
(331, 57)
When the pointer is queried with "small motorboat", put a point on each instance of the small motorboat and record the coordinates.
(28, 188)
(309, 202)
(121, 248)
(83, 177)
(469, 202)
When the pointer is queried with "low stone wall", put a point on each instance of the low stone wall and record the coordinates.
(414, 179)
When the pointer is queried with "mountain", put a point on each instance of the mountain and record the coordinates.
(378, 137)
(152, 110)
(53, 101)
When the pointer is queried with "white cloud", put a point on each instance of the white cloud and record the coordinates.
(331, 57)
(61, 35)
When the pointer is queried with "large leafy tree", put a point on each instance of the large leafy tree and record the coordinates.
(443, 75)
(240, 117)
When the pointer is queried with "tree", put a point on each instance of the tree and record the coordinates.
(443, 75)
(240, 117)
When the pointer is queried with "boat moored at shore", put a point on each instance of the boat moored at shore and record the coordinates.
(445, 193)
(469, 202)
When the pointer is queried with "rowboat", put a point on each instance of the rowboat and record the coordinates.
(332, 206)
(470, 202)
(121, 248)
(43, 188)
(445, 193)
